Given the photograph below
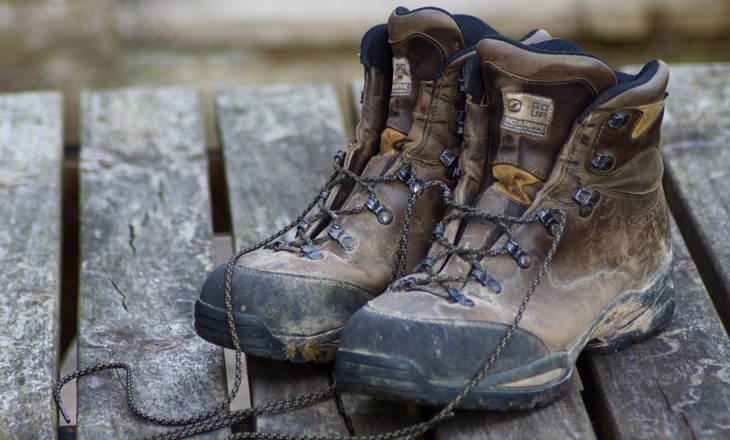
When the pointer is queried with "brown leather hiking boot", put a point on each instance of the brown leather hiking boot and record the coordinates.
(586, 265)
(290, 300)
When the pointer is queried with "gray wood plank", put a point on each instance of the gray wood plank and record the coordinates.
(696, 137)
(146, 247)
(565, 418)
(278, 144)
(676, 384)
(368, 416)
(30, 240)
(271, 381)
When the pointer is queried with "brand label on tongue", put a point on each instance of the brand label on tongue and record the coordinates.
(401, 77)
(527, 114)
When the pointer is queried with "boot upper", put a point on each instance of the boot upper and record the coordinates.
(381, 224)
(614, 238)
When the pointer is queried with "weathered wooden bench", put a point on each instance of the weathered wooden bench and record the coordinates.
(146, 189)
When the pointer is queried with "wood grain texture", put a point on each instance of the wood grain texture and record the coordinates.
(146, 247)
(696, 137)
(674, 385)
(30, 240)
(368, 416)
(278, 144)
(565, 418)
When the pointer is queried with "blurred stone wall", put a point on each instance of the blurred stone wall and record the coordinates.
(71, 45)
(317, 22)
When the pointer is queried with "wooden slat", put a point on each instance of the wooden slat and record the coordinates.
(146, 248)
(677, 384)
(30, 241)
(278, 143)
(565, 418)
(674, 385)
(368, 416)
(696, 137)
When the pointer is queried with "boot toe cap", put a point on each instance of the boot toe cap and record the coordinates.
(287, 304)
(429, 361)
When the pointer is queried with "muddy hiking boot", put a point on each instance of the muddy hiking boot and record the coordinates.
(566, 247)
(373, 220)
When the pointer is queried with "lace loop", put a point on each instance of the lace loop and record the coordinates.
(217, 418)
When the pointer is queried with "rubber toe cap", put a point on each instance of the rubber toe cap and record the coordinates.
(440, 350)
(287, 304)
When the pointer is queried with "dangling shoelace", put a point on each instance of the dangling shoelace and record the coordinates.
(425, 276)
(213, 419)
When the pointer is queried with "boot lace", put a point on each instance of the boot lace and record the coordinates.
(427, 279)
(219, 418)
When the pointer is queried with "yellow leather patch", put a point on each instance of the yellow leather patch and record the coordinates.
(649, 114)
(388, 138)
(512, 182)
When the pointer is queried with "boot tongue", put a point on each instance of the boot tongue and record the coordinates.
(536, 94)
(421, 41)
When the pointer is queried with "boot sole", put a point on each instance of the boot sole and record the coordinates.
(255, 339)
(400, 380)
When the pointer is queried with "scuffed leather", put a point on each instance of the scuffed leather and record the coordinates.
(426, 38)
(622, 246)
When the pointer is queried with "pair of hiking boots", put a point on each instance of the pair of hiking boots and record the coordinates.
(500, 211)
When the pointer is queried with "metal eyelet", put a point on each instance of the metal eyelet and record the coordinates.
(447, 158)
(618, 120)
(404, 283)
(276, 244)
(453, 173)
(451, 162)
(438, 230)
(603, 161)
(460, 298)
(547, 219)
(347, 241)
(324, 194)
(587, 199)
(404, 175)
(302, 228)
(446, 194)
(340, 157)
(486, 280)
(460, 120)
(312, 252)
(424, 266)
(384, 215)
(522, 258)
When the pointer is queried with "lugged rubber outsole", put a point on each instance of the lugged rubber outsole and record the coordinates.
(255, 339)
(397, 379)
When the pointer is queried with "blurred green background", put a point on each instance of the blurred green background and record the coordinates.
(72, 45)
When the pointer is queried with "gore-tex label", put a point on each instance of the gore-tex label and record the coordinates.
(401, 77)
(527, 114)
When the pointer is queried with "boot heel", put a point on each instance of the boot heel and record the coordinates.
(644, 314)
